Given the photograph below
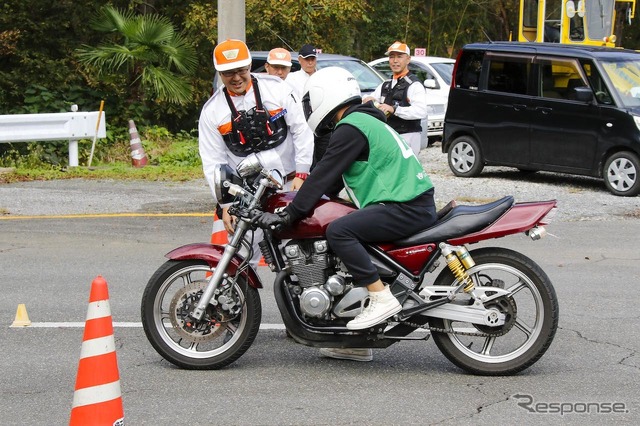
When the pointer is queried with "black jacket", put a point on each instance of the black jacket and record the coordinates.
(347, 145)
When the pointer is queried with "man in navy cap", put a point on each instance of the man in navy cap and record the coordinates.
(307, 57)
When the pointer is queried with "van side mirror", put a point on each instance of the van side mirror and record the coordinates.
(430, 83)
(583, 94)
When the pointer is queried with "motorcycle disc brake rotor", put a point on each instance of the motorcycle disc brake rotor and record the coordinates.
(507, 306)
(183, 302)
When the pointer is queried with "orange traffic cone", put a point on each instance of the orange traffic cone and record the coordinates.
(138, 156)
(219, 235)
(97, 399)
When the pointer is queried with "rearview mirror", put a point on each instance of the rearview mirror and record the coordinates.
(583, 94)
(430, 83)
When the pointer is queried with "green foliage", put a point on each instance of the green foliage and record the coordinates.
(150, 60)
(146, 51)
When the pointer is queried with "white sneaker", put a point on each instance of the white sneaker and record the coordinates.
(382, 305)
(350, 354)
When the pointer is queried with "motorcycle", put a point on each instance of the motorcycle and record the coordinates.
(490, 311)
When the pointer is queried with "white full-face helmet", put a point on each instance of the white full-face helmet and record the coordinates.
(326, 91)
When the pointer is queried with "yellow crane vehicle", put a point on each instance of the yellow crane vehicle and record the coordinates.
(585, 22)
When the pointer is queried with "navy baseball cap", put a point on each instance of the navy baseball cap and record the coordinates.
(307, 50)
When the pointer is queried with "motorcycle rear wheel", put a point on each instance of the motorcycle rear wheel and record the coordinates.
(171, 294)
(532, 316)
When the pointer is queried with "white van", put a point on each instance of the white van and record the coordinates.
(436, 74)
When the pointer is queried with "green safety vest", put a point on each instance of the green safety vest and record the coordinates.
(392, 172)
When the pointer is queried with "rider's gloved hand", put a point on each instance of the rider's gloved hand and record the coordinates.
(273, 221)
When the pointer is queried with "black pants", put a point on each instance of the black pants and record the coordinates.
(377, 223)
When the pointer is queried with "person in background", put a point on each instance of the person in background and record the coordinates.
(383, 177)
(252, 116)
(278, 63)
(403, 98)
(307, 57)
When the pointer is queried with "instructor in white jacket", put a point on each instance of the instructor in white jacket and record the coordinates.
(252, 115)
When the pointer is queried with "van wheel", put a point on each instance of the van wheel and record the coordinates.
(465, 158)
(621, 174)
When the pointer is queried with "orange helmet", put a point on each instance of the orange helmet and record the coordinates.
(231, 54)
(279, 56)
(399, 47)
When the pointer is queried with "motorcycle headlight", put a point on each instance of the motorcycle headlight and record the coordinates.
(223, 173)
(249, 166)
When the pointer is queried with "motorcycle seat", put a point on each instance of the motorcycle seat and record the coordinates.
(459, 221)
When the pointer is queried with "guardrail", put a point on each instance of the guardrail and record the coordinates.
(71, 126)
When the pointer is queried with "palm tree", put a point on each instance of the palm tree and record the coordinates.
(153, 58)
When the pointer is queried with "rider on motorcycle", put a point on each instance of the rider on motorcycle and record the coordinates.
(381, 174)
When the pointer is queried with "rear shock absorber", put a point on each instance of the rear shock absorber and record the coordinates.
(459, 260)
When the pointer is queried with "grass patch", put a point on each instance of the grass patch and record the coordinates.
(117, 171)
(170, 158)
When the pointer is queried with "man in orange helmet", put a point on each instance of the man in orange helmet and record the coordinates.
(403, 98)
(278, 63)
(252, 115)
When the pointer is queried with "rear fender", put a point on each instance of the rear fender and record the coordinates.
(520, 218)
(212, 253)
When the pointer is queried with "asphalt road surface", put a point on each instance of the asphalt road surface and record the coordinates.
(589, 375)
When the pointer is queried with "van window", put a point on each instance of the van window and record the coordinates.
(599, 87)
(468, 70)
(598, 19)
(509, 74)
(625, 76)
(558, 77)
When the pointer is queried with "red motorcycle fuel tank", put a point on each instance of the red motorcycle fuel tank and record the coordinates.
(325, 212)
(315, 224)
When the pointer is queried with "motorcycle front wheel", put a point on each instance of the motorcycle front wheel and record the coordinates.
(531, 316)
(226, 331)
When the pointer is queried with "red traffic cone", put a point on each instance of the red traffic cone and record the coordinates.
(97, 399)
(138, 156)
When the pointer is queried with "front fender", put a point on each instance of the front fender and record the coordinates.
(212, 253)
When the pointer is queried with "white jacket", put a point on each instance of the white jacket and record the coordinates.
(293, 155)
(298, 79)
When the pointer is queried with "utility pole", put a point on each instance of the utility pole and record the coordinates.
(231, 20)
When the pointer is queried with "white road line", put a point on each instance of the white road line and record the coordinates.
(122, 325)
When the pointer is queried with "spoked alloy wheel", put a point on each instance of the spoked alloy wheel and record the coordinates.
(531, 316)
(621, 174)
(465, 158)
(226, 330)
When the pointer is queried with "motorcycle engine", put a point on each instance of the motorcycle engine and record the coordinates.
(314, 266)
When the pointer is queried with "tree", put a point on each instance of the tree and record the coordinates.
(146, 53)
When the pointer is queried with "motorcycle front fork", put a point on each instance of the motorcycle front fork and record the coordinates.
(221, 269)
